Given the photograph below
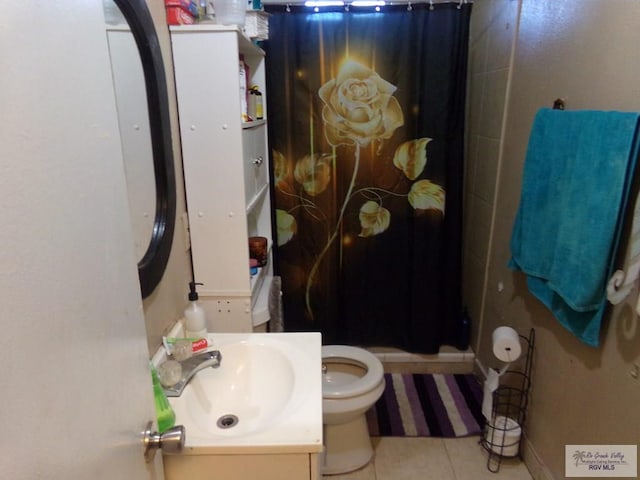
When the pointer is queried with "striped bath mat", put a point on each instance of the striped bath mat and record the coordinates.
(427, 405)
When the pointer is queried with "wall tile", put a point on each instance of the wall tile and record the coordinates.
(473, 279)
(471, 161)
(480, 19)
(474, 103)
(501, 33)
(486, 168)
(478, 228)
(493, 102)
(478, 54)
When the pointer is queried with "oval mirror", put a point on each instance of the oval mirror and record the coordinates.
(143, 111)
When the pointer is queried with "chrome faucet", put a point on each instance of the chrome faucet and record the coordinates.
(190, 367)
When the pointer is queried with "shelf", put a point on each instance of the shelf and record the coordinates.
(258, 278)
(244, 42)
(253, 124)
(256, 198)
(260, 311)
(257, 281)
(260, 290)
(218, 190)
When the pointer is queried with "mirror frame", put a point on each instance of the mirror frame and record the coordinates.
(154, 262)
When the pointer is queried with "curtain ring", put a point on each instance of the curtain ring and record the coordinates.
(288, 7)
(430, 4)
(409, 7)
(346, 7)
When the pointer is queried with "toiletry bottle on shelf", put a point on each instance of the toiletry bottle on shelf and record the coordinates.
(464, 332)
(195, 320)
(164, 413)
(256, 99)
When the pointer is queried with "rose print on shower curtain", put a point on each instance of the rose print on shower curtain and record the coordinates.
(359, 111)
(359, 107)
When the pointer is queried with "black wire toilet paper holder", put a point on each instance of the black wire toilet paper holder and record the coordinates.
(502, 435)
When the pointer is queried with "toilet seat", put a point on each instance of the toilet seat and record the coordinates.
(369, 381)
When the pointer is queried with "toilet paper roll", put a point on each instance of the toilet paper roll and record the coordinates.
(502, 436)
(506, 344)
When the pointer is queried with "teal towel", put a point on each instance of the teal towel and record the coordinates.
(575, 188)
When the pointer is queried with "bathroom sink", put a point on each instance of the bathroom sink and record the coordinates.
(250, 390)
(267, 391)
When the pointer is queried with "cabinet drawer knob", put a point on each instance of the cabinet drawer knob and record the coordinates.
(259, 160)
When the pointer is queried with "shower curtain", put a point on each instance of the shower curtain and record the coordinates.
(366, 122)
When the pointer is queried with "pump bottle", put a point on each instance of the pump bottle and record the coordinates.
(255, 99)
(195, 320)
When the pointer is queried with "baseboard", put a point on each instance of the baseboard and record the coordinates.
(449, 360)
(535, 465)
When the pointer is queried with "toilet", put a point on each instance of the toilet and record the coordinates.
(352, 381)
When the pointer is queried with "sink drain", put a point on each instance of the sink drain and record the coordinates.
(227, 421)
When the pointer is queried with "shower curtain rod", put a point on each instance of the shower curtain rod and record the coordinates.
(301, 3)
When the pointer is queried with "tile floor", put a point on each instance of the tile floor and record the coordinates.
(432, 459)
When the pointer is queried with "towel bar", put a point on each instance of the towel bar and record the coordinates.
(620, 285)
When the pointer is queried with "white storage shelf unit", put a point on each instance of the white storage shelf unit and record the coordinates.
(226, 172)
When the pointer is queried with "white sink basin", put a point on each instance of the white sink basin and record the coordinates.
(254, 384)
(267, 391)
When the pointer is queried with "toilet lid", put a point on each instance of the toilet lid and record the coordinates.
(367, 382)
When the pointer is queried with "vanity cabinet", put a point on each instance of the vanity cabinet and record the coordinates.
(243, 466)
(226, 171)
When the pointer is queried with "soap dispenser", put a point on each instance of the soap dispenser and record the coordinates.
(195, 320)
